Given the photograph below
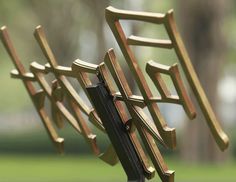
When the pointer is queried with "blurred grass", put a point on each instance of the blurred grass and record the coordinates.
(47, 168)
(30, 157)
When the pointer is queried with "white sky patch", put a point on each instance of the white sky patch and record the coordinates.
(227, 89)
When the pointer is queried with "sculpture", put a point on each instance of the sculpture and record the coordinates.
(110, 104)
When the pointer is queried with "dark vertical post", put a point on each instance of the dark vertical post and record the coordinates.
(116, 131)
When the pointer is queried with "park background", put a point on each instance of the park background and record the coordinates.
(77, 29)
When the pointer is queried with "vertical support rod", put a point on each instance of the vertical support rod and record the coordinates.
(117, 133)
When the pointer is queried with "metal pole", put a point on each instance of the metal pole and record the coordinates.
(116, 131)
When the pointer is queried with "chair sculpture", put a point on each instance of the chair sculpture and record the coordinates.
(119, 113)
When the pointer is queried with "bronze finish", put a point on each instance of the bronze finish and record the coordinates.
(138, 123)
(168, 134)
(37, 96)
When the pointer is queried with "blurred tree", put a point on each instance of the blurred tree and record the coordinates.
(201, 22)
(75, 27)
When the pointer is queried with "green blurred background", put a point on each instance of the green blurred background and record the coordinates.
(77, 29)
